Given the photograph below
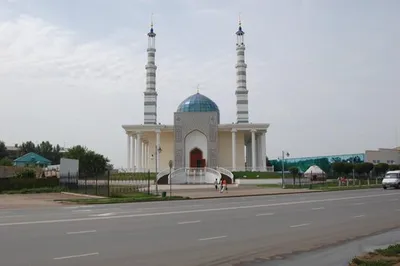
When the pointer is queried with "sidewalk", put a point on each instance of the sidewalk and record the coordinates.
(204, 193)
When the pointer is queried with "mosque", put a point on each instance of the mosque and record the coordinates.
(200, 148)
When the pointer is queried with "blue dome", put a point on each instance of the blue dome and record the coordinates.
(198, 103)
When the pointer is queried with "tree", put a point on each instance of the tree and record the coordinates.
(27, 147)
(347, 168)
(394, 167)
(381, 168)
(90, 162)
(294, 171)
(6, 162)
(3, 150)
(338, 167)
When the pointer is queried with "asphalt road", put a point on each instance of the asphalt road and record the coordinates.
(228, 231)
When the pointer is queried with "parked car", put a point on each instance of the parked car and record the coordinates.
(391, 179)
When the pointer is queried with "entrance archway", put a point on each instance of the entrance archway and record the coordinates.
(196, 158)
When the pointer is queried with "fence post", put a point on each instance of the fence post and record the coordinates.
(108, 183)
(148, 183)
(96, 185)
(85, 184)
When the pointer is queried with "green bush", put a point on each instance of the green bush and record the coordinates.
(34, 190)
(26, 174)
(27, 183)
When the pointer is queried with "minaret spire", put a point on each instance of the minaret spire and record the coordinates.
(150, 94)
(242, 103)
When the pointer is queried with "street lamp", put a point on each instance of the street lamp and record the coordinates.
(170, 164)
(283, 167)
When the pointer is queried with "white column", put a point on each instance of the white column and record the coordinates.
(128, 165)
(158, 132)
(148, 156)
(142, 155)
(264, 151)
(133, 153)
(234, 149)
(139, 152)
(259, 152)
(253, 150)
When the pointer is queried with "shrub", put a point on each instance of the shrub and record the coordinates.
(27, 173)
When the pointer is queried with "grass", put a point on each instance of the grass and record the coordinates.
(133, 176)
(125, 198)
(389, 256)
(328, 186)
(256, 175)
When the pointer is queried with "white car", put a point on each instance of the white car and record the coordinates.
(391, 179)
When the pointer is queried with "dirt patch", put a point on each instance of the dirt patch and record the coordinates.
(19, 201)
(381, 257)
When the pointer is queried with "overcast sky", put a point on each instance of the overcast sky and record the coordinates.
(324, 74)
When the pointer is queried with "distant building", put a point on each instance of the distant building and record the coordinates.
(382, 155)
(31, 159)
(13, 152)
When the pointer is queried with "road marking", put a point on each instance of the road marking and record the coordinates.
(76, 256)
(190, 222)
(358, 203)
(394, 200)
(212, 238)
(11, 216)
(359, 216)
(103, 214)
(198, 210)
(81, 232)
(318, 208)
(265, 214)
(298, 225)
(75, 211)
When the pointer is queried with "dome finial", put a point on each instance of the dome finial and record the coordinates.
(198, 88)
(240, 19)
(151, 20)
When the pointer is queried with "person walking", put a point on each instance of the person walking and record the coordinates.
(216, 184)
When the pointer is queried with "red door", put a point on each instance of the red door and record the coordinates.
(196, 158)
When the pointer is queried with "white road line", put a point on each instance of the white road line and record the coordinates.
(190, 222)
(298, 225)
(77, 256)
(265, 214)
(75, 211)
(11, 216)
(394, 200)
(198, 210)
(358, 203)
(212, 238)
(318, 208)
(359, 216)
(103, 214)
(81, 232)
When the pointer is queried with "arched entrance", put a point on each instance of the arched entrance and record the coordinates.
(196, 158)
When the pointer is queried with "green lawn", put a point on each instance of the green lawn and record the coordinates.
(125, 198)
(329, 186)
(381, 257)
(256, 175)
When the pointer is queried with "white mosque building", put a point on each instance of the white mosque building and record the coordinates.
(200, 148)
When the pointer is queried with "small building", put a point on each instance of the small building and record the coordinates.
(389, 156)
(31, 159)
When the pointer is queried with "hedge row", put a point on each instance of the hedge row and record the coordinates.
(20, 183)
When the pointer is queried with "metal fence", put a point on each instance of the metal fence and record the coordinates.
(104, 184)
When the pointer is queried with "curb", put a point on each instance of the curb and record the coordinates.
(83, 195)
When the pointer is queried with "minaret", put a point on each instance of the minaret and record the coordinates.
(242, 103)
(150, 95)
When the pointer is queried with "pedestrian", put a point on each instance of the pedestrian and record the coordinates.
(216, 184)
(223, 185)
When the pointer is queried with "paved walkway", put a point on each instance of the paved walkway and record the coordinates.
(233, 191)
